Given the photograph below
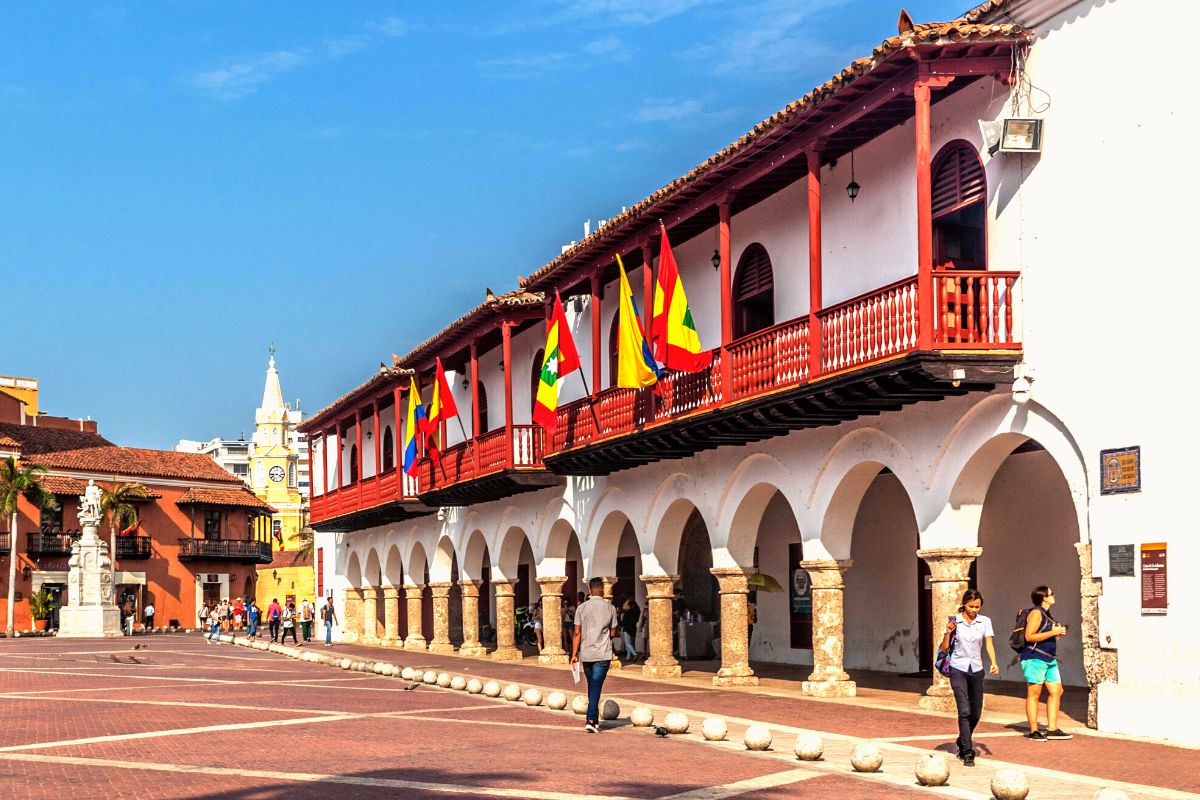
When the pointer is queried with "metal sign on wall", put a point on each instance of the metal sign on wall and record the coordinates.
(1154, 578)
(1121, 470)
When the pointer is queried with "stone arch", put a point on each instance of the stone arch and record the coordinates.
(556, 512)
(603, 558)
(508, 554)
(613, 499)
(353, 571)
(558, 541)
(393, 568)
(753, 484)
(670, 509)
(417, 564)
(443, 561)
(474, 556)
(373, 572)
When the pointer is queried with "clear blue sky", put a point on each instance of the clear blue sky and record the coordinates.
(182, 183)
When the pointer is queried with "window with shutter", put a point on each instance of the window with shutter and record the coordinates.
(959, 206)
(535, 378)
(753, 292)
(483, 410)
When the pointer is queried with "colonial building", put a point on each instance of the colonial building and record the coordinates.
(927, 294)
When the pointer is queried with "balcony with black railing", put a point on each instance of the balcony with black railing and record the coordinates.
(247, 551)
(134, 547)
(48, 544)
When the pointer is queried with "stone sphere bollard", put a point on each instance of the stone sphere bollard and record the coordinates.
(933, 769)
(610, 709)
(377, 668)
(474, 686)
(556, 701)
(512, 692)
(579, 704)
(866, 757)
(458, 683)
(757, 737)
(345, 663)
(1009, 784)
(443, 679)
(676, 722)
(809, 747)
(491, 689)
(408, 673)
(429, 677)
(532, 697)
(714, 729)
(1109, 793)
(642, 717)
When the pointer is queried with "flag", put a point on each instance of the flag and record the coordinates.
(676, 343)
(415, 422)
(441, 407)
(635, 364)
(133, 527)
(561, 358)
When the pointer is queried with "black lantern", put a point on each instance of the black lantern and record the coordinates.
(716, 259)
(852, 187)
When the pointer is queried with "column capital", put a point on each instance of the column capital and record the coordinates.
(370, 592)
(391, 592)
(503, 588)
(470, 588)
(552, 584)
(441, 588)
(412, 591)
(827, 573)
(949, 563)
(659, 586)
(732, 580)
(355, 592)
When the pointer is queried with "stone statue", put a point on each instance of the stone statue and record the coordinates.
(89, 503)
(90, 610)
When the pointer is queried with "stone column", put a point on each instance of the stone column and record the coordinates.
(828, 678)
(441, 618)
(1099, 659)
(506, 646)
(471, 645)
(370, 615)
(660, 660)
(416, 639)
(950, 569)
(352, 622)
(609, 583)
(735, 634)
(552, 652)
(391, 616)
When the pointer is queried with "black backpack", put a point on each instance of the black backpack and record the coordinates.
(1016, 639)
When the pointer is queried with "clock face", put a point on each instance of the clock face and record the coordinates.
(276, 474)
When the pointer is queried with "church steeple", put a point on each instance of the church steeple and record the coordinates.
(272, 402)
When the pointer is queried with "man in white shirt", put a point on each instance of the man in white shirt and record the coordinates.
(149, 614)
(595, 628)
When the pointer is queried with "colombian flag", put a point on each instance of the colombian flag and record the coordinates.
(441, 407)
(560, 359)
(415, 422)
(635, 364)
(676, 343)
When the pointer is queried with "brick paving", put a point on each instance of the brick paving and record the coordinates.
(186, 720)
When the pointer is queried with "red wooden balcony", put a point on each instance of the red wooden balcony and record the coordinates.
(496, 464)
(870, 362)
(377, 500)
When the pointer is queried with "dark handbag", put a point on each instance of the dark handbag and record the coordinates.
(942, 662)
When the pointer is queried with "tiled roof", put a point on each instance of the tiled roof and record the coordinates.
(137, 461)
(491, 305)
(60, 484)
(384, 375)
(7, 442)
(984, 10)
(287, 558)
(35, 441)
(236, 498)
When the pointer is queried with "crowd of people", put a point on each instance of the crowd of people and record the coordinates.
(243, 615)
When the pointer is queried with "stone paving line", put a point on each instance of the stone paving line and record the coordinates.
(965, 783)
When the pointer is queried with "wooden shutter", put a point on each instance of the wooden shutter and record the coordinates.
(754, 274)
(958, 180)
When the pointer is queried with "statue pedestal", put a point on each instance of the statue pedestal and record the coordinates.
(90, 611)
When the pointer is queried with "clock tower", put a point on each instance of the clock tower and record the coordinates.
(274, 477)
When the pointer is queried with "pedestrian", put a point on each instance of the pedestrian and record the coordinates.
(329, 617)
(537, 624)
(202, 615)
(129, 617)
(751, 618)
(274, 612)
(631, 614)
(288, 622)
(568, 623)
(253, 612)
(239, 613)
(1039, 664)
(307, 613)
(595, 628)
(972, 632)
(226, 615)
(148, 612)
(214, 625)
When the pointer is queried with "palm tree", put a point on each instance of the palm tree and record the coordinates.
(306, 541)
(116, 503)
(18, 481)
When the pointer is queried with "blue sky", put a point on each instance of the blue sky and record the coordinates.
(183, 183)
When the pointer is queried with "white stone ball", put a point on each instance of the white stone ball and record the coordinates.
(532, 697)
(809, 747)
(408, 673)
(458, 683)
(474, 686)
(866, 757)
(362, 666)
(377, 668)
(491, 689)
(429, 677)
(1108, 793)
(933, 769)
(512, 692)
(443, 679)
(642, 717)
(1010, 784)
(345, 663)
(676, 722)
(579, 704)
(610, 709)
(714, 729)
(556, 701)
(757, 737)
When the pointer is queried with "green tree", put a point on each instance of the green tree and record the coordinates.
(307, 544)
(17, 481)
(116, 503)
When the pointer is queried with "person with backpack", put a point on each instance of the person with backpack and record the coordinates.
(253, 613)
(307, 614)
(274, 612)
(967, 633)
(329, 617)
(1035, 638)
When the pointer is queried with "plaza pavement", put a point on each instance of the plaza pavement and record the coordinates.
(98, 719)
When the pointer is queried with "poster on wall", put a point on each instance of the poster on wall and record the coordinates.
(799, 600)
(1121, 470)
(1154, 578)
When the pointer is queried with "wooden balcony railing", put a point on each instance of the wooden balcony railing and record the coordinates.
(976, 310)
(394, 484)
(48, 544)
(5, 543)
(520, 447)
(134, 547)
(247, 550)
(869, 327)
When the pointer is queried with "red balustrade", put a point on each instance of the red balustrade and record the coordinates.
(974, 309)
(869, 327)
(520, 447)
(370, 492)
(770, 359)
(681, 393)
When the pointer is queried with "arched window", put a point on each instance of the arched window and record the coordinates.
(753, 292)
(354, 463)
(292, 474)
(483, 410)
(388, 448)
(535, 378)
(959, 208)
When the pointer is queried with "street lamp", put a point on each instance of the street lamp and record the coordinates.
(716, 259)
(852, 187)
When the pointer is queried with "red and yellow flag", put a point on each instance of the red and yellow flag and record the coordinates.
(561, 358)
(676, 343)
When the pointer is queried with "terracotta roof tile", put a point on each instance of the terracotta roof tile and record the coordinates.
(287, 558)
(7, 442)
(384, 375)
(62, 485)
(35, 441)
(137, 461)
(984, 10)
(236, 498)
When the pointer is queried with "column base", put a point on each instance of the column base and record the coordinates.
(441, 647)
(472, 649)
(829, 688)
(735, 680)
(391, 642)
(651, 670)
(414, 643)
(347, 636)
(507, 654)
(616, 664)
(371, 640)
(553, 658)
(939, 697)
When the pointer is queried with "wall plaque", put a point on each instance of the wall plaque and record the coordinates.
(1154, 578)
(1121, 563)
(1121, 470)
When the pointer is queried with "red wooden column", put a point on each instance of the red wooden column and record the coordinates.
(397, 441)
(338, 438)
(506, 336)
(725, 251)
(474, 390)
(597, 335)
(925, 305)
(377, 436)
(647, 287)
(358, 448)
(813, 159)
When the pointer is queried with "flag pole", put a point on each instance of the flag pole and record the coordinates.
(591, 401)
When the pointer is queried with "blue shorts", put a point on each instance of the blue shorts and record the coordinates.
(1038, 671)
